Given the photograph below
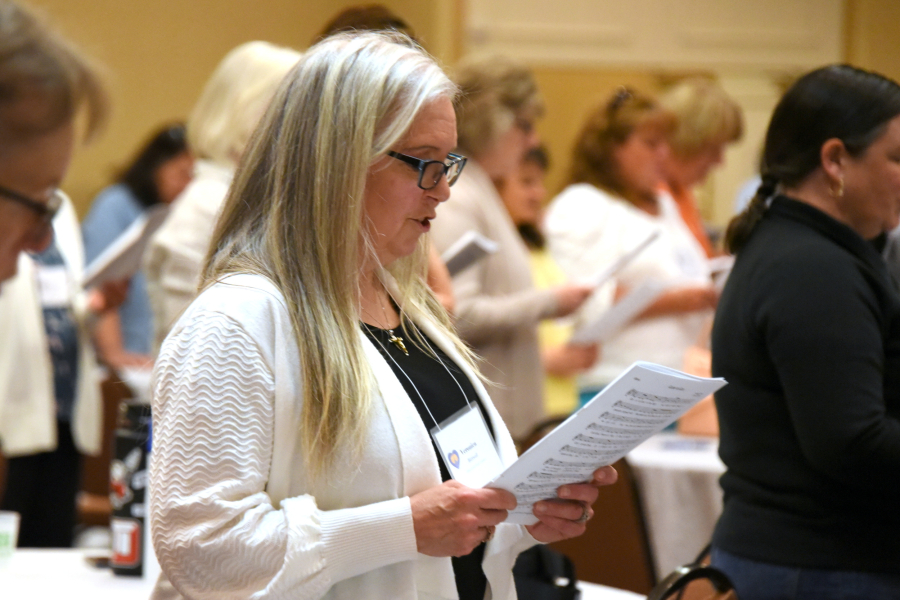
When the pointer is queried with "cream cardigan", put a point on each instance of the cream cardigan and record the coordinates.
(234, 513)
(176, 252)
(27, 400)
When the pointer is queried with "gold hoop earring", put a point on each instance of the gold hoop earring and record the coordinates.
(839, 192)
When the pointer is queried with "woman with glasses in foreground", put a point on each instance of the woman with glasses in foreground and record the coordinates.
(294, 397)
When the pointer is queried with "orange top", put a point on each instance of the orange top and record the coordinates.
(690, 214)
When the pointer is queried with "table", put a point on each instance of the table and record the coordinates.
(54, 574)
(678, 482)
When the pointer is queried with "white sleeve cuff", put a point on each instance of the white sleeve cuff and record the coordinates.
(351, 535)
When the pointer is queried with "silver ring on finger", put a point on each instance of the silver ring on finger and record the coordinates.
(489, 533)
(585, 514)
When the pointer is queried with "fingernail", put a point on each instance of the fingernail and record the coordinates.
(540, 508)
(564, 492)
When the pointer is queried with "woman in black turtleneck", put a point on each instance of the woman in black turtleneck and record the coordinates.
(807, 334)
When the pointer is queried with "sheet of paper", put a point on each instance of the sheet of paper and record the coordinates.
(467, 250)
(620, 263)
(620, 314)
(638, 404)
(720, 267)
(122, 258)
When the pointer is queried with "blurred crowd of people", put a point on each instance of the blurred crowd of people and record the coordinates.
(286, 208)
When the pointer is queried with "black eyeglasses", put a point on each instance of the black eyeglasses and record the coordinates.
(44, 210)
(431, 171)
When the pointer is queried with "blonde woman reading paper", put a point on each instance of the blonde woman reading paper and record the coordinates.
(295, 396)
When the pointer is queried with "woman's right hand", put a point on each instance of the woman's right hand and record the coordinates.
(567, 360)
(570, 297)
(452, 520)
(683, 300)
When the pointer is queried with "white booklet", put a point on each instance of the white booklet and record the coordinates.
(623, 260)
(639, 403)
(620, 314)
(467, 250)
(122, 258)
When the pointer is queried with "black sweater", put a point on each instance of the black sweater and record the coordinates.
(807, 334)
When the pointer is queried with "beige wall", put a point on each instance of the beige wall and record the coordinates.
(872, 39)
(158, 55)
(570, 94)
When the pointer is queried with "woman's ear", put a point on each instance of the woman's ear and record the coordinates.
(833, 156)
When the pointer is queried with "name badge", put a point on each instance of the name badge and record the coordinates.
(53, 286)
(466, 446)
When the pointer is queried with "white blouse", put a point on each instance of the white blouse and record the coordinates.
(588, 229)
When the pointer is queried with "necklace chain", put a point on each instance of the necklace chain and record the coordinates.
(396, 340)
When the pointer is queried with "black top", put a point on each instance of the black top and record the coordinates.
(444, 399)
(807, 334)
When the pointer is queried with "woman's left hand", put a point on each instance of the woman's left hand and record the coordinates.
(567, 516)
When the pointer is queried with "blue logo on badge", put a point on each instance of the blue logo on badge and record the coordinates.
(453, 457)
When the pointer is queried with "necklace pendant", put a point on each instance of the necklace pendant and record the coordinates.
(397, 341)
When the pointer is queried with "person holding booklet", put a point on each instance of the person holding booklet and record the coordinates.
(156, 176)
(612, 206)
(807, 334)
(523, 194)
(294, 398)
(498, 308)
(218, 130)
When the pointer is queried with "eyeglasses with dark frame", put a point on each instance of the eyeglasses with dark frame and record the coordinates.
(44, 210)
(431, 171)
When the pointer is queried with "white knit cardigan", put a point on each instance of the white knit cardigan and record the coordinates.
(27, 399)
(234, 514)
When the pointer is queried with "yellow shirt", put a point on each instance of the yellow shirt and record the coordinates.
(560, 393)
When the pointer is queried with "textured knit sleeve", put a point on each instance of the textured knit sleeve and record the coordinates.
(216, 532)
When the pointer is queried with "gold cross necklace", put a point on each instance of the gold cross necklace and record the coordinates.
(394, 339)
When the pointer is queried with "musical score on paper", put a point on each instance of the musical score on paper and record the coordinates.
(639, 403)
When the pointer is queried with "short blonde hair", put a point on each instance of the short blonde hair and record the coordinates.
(295, 214)
(234, 99)
(705, 115)
(44, 79)
(494, 91)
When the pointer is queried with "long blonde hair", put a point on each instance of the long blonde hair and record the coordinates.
(295, 214)
(234, 98)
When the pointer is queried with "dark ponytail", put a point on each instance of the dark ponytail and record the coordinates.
(837, 101)
(741, 226)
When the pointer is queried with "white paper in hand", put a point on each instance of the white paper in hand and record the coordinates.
(620, 314)
(620, 263)
(638, 404)
(122, 259)
(467, 250)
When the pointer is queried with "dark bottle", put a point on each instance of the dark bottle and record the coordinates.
(127, 488)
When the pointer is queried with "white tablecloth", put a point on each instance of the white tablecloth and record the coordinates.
(66, 574)
(678, 481)
(57, 574)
